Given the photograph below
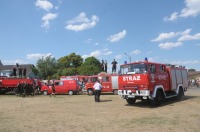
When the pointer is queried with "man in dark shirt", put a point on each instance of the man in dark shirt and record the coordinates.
(114, 66)
(105, 65)
(20, 71)
(24, 72)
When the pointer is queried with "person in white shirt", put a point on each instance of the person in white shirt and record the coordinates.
(97, 87)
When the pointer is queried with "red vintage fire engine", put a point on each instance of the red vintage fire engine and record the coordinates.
(8, 84)
(70, 86)
(152, 81)
(108, 81)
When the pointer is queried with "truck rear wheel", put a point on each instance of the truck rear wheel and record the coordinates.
(70, 92)
(45, 92)
(90, 92)
(158, 99)
(180, 94)
(131, 100)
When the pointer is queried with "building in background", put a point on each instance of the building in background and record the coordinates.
(7, 70)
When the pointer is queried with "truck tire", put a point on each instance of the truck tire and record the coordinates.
(90, 92)
(180, 94)
(131, 100)
(115, 92)
(70, 92)
(158, 99)
(45, 92)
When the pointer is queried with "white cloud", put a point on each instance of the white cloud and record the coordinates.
(44, 4)
(173, 17)
(169, 45)
(118, 57)
(96, 53)
(13, 62)
(37, 56)
(136, 52)
(96, 43)
(85, 56)
(117, 37)
(106, 52)
(59, 3)
(192, 9)
(81, 22)
(164, 36)
(189, 37)
(185, 62)
(46, 18)
(89, 40)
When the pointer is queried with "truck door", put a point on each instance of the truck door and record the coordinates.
(106, 83)
(59, 87)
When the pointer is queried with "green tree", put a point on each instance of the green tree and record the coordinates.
(191, 70)
(71, 60)
(47, 67)
(91, 66)
(68, 65)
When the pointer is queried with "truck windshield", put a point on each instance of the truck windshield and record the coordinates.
(138, 68)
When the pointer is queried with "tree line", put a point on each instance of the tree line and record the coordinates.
(51, 68)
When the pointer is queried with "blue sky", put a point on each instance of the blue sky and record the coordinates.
(164, 31)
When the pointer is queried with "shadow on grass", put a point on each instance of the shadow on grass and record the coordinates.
(166, 102)
(105, 100)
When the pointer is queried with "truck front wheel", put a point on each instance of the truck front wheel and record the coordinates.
(70, 92)
(158, 99)
(131, 100)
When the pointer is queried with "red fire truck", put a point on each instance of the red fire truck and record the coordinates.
(108, 81)
(152, 81)
(8, 84)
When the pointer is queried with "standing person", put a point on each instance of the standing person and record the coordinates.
(24, 72)
(14, 71)
(102, 65)
(114, 66)
(20, 71)
(53, 90)
(97, 87)
(105, 65)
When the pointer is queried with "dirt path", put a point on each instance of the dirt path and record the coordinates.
(80, 113)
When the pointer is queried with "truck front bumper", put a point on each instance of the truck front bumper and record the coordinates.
(144, 94)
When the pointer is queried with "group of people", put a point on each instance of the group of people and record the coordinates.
(21, 71)
(104, 66)
(24, 89)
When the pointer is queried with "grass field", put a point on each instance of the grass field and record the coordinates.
(80, 113)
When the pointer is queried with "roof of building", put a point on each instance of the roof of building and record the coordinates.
(10, 68)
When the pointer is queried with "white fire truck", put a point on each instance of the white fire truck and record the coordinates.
(152, 81)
